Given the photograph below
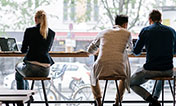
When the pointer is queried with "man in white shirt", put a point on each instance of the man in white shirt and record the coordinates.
(112, 57)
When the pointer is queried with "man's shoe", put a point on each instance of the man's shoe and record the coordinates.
(155, 104)
(152, 101)
(98, 101)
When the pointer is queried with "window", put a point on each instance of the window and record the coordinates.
(69, 10)
(72, 68)
(86, 67)
(65, 10)
(96, 10)
(92, 11)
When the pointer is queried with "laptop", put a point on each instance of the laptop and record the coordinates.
(8, 44)
(134, 42)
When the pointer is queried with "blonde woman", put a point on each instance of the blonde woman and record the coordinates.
(36, 44)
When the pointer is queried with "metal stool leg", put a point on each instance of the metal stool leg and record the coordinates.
(174, 91)
(44, 92)
(162, 88)
(171, 88)
(20, 104)
(162, 92)
(104, 92)
(154, 87)
(118, 92)
(7, 104)
(32, 86)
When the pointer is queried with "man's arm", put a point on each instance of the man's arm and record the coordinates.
(93, 47)
(174, 35)
(129, 45)
(140, 43)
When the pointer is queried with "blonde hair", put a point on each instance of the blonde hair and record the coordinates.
(42, 19)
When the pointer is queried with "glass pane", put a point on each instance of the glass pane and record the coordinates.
(76, 23)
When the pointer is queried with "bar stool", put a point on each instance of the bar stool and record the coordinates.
(172, 89)
(115, 79)
(43, 86)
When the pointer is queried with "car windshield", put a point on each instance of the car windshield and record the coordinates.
(86, 67)
(56, 67)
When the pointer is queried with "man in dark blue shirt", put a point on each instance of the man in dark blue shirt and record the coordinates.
(160, 44)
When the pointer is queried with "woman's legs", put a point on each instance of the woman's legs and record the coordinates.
(21, 84)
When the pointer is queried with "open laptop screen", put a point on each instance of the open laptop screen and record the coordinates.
(8, 44)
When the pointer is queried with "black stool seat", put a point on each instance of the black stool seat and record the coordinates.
(37, 78)
(162, 78)
(112, 78)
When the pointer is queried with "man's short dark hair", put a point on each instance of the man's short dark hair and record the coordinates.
(121, 19)
(155, 16)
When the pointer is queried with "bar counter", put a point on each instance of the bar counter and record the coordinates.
(52, 54)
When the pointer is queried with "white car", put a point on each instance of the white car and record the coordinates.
(69, 75)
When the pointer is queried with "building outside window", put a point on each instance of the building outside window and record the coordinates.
(69, 10)
(88, 8)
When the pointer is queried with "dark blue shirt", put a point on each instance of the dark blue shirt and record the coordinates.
(160, 44)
